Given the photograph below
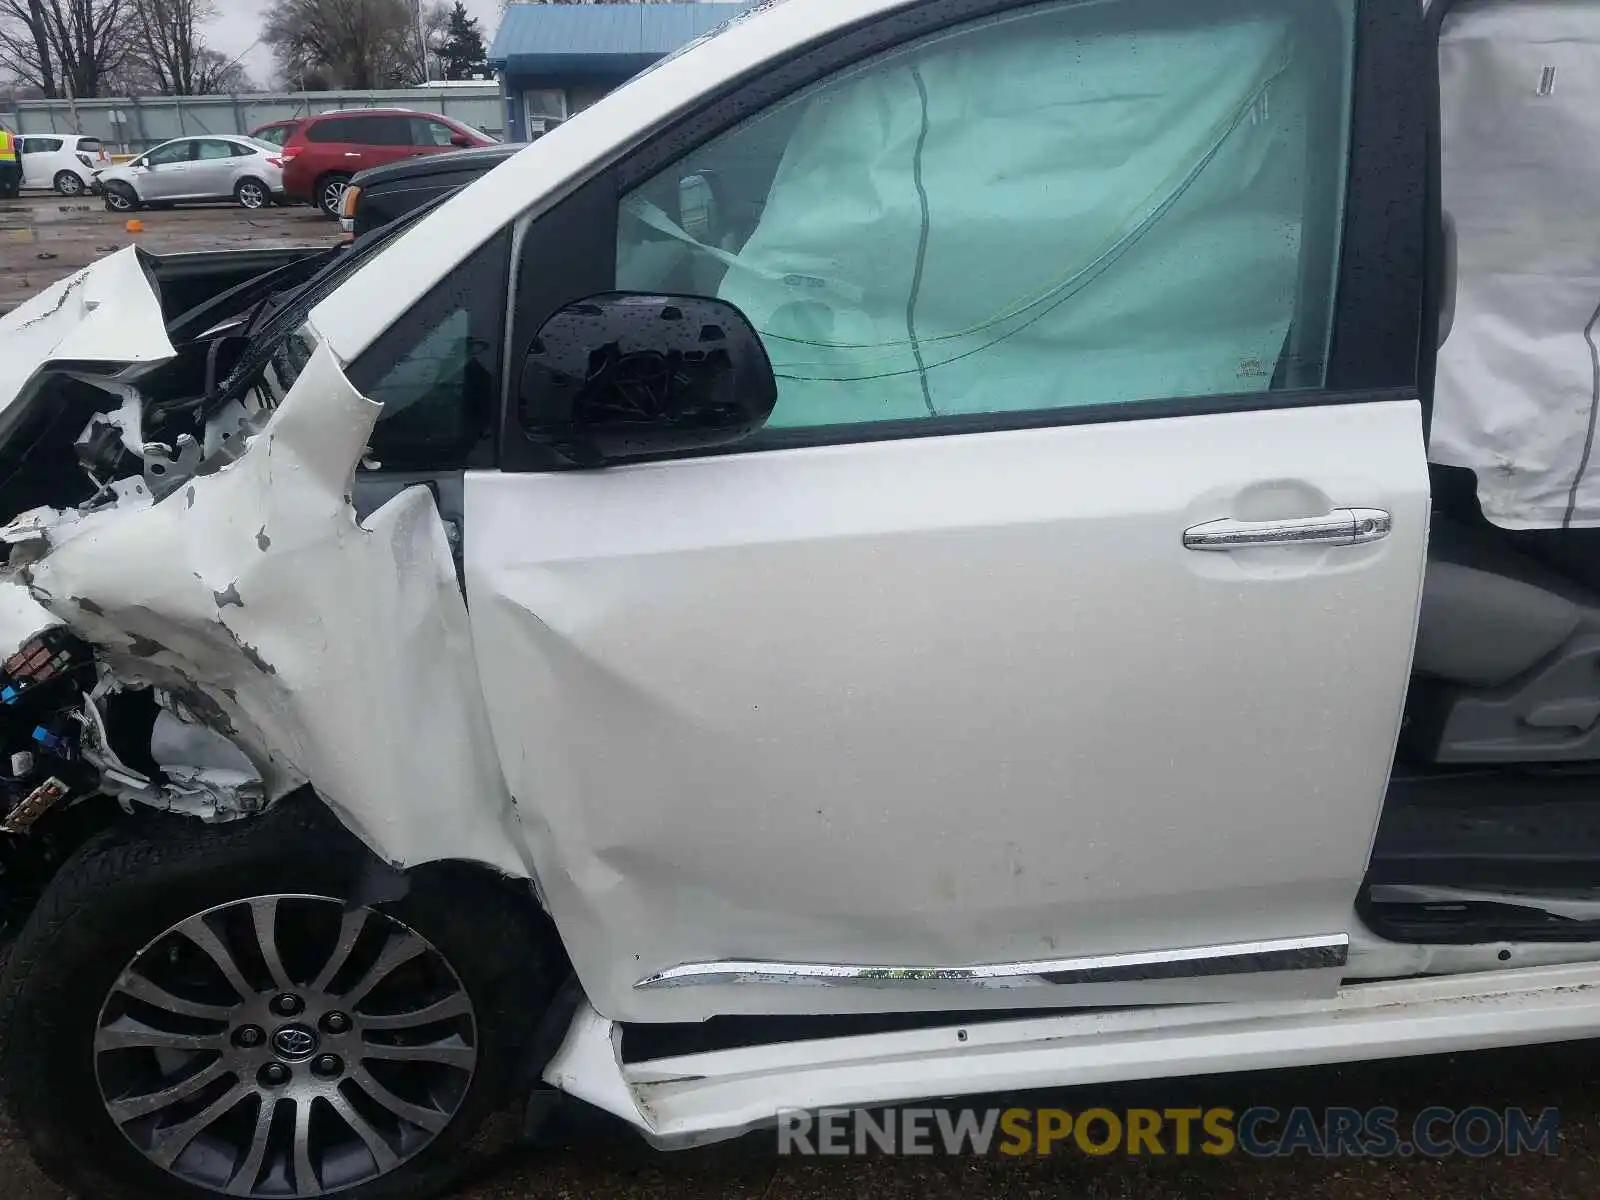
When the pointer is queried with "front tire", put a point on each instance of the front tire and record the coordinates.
(193, 1010)
(68, 183)
(120, 198)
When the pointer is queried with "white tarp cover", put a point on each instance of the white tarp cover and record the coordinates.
(1519, 378)
(1080, 205)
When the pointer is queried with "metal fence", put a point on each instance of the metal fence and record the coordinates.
(134, 124)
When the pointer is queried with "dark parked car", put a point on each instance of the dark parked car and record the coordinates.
(380, 194)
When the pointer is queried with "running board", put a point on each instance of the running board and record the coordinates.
(696, 1099)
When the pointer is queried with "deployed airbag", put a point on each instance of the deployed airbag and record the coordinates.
(1518, 385)
(1083, 205)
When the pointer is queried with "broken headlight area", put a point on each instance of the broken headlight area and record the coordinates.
(41, 693)
(68, 731)
(90, 449)
(141, 371)
(182, 505)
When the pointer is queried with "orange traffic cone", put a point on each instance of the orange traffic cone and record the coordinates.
(136, 226)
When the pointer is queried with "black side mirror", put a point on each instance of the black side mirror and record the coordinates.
(626, 375)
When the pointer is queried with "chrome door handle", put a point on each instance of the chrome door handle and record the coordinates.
(1341, 527)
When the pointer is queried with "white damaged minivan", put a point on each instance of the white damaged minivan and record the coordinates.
(919, 548)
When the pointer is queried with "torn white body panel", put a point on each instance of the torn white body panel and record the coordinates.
(21, 616)
(107, 313)
(327, 650)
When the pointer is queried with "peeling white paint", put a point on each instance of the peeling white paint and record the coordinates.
(21, 616)
(327, 650)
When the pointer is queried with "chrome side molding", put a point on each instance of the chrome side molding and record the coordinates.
(1238, 958)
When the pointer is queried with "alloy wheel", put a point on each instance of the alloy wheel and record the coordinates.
(285, 1046)
(69, 184)
(118, 200)
(333, 196)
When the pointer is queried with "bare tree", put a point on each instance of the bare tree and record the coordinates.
(349, 43)
(435, 35)
(89, 39)
(215, 74)
(25, 44)
(64, 45)
(169, 43)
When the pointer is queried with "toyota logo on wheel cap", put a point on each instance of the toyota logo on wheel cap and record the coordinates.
(295, 1041)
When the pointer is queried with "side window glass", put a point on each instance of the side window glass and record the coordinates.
(386, 131)
(163, 156)
(339, 129)
(430, 133)
(1065, 205)
(436, 371)
(209, 150)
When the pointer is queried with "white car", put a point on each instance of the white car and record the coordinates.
(909, 510)
(65, 163)
(196, 169)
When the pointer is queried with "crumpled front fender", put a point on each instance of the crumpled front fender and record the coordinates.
(330, 651)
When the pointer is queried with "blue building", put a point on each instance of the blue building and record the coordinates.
(557, 59)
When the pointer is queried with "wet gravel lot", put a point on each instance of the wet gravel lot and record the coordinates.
(45, 237)
(600, 1161)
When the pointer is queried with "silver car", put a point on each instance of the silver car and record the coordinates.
(190, 169)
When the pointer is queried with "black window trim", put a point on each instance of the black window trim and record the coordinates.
(568, 252)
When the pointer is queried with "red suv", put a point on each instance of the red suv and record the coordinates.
(322, 152)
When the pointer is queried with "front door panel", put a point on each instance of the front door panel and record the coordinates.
(165, 181)
(949, 703)
(211, 172)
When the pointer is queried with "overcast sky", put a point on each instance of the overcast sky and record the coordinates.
(240, 25)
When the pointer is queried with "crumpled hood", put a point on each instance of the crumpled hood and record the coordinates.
(108, 312)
